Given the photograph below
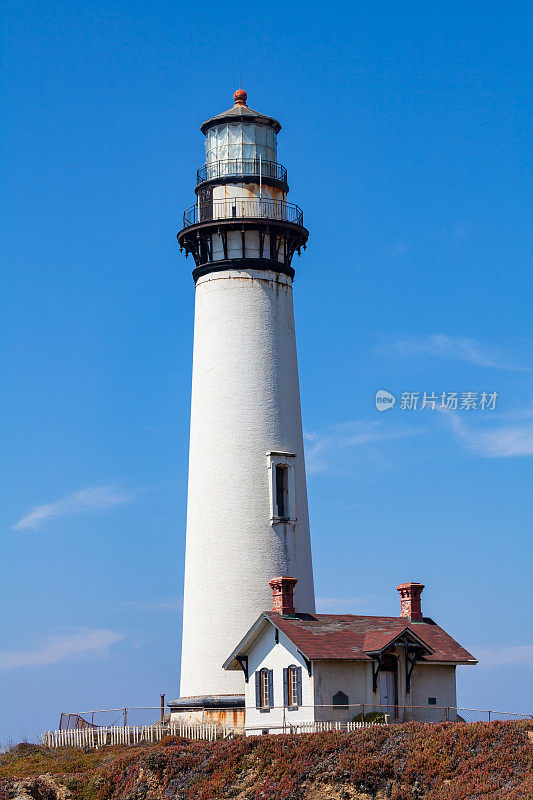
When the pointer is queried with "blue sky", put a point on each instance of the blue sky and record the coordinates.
(406, 135)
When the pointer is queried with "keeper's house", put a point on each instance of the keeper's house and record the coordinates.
(301, 668)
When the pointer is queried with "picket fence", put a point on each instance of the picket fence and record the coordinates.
(319, 727)
(314, 727)
(127, 734)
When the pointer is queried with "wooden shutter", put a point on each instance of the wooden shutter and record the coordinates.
(258, 689)
(285, 687)
(270, 688)
(299, 686)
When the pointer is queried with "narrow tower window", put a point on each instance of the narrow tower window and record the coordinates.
(282, 491)
(281, 482)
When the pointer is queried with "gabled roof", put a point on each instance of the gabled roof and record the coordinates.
(348, 637)
(376, 642)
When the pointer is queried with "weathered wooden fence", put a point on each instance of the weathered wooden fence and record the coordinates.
(101, 735)
(313, 727)
(318, 727)
(129, 734)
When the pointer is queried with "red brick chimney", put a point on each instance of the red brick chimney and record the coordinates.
(411, 606)
(282, 594)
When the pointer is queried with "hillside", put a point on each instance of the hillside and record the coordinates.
(414, 761)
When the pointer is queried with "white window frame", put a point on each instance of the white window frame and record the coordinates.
(264, 688)
(287, 460)
(292, 676)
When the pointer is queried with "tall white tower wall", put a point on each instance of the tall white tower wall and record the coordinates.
(245, 405)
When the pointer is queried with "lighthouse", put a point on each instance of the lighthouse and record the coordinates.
(247, 516)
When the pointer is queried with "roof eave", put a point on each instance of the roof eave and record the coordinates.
(231, 662)
(365, 659)
(249, 116)
(452, 662)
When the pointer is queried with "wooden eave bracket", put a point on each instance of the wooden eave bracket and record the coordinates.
(243, 661)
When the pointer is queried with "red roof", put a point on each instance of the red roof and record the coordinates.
(350, 637)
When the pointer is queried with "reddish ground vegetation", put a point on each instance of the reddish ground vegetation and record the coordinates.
(414, 761)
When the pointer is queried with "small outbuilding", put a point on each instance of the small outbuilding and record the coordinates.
(305, 668)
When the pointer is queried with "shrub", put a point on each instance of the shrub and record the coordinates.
(372, 716)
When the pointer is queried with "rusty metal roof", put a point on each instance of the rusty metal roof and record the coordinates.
(350, 637)
(241, 113)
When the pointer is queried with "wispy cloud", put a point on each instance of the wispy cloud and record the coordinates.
(168, 604)
(500, 440)
(80, 502)
(62, 648)
(321, 447)
(518, 655)
(459, 348)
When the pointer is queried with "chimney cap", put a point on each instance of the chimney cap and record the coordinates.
(410, 585)
(283, 579)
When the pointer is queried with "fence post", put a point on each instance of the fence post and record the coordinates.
(162, 709)
(363, 712)
(489, 716)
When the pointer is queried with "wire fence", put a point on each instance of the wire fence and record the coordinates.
(114, 717)
(147, 724)
(150, 716)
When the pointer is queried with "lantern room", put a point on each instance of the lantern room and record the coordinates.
(241, 212)
(240, 140)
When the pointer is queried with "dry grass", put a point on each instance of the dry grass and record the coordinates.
(28, 760)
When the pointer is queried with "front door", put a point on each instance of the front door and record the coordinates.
(387, 687)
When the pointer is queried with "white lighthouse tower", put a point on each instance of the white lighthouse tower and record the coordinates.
(247, 518)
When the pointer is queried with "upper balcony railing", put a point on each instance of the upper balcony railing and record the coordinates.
(238, 207)
(237, 167)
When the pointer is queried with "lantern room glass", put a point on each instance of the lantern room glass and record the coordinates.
(240, 141)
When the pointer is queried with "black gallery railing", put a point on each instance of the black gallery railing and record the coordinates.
(237, 207)
(239, 166)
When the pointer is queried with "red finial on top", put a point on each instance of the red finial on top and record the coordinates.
(240, 97)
